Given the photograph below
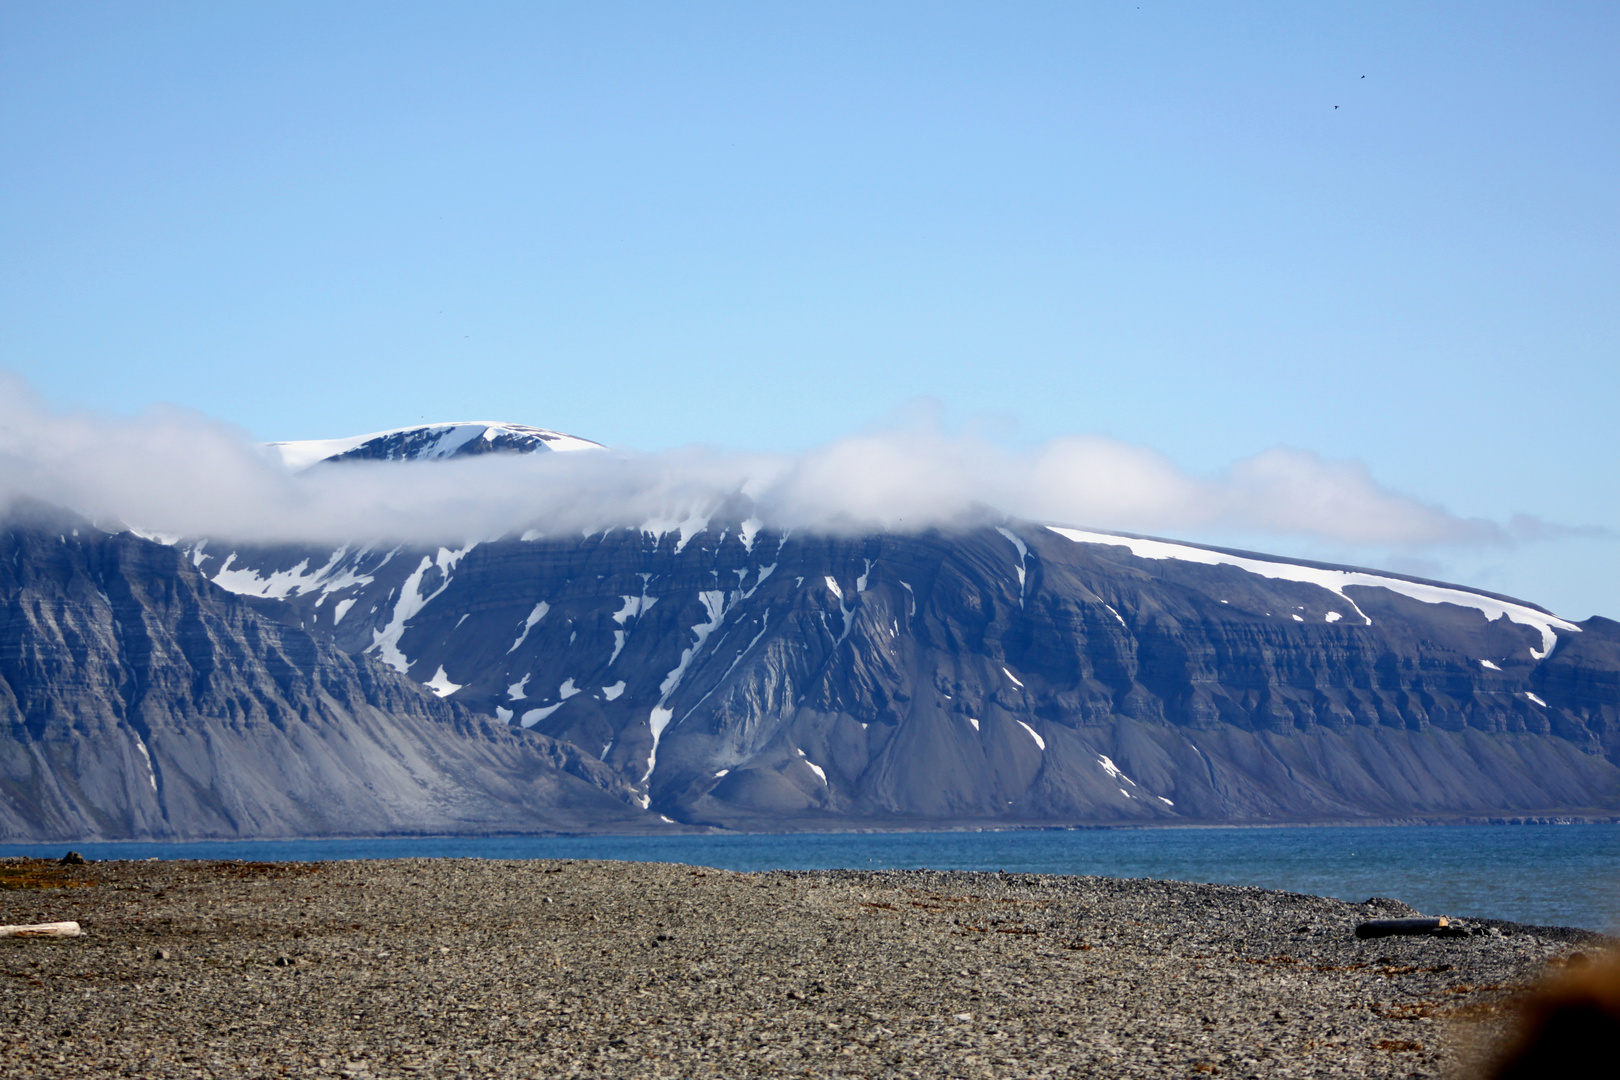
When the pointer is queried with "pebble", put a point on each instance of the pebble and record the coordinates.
(461, 967)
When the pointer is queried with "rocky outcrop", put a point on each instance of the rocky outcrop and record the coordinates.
(1004, 674)
(137, 700)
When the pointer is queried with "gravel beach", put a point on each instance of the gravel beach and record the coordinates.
(472, 967)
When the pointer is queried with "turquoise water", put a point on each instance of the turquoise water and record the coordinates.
(1559, 875)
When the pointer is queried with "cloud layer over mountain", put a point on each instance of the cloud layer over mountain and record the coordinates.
(174, 472)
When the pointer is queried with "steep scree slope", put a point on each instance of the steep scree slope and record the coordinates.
(140, 701)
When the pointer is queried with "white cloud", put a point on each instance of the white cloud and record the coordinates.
(177, 472)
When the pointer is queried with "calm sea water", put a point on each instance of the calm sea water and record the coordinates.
(1559, 875)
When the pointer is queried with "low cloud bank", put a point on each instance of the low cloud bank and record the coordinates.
(175, 472)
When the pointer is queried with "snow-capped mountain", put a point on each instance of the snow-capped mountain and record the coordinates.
(427, 441)
(708, 669)
(740, 676)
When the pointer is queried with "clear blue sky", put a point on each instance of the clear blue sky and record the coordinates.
(1386, 233)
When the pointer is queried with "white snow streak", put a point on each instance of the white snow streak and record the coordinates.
(151, 776)
(1040, 742)
(632, 608)
(534, 716)
(1336, 581)
(689, 526)
(295, 581)
(385, 642)
(1113, 770)
(535, 616)
(1013, 677)
(714, 603)
(817, 769)
(1023, 559)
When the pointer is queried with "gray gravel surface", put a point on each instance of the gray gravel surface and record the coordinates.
(471, 967)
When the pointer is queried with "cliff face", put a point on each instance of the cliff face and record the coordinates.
(1000, 674)
(138, 700)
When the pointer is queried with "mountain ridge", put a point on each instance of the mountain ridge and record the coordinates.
(707, 670)
(523, 629)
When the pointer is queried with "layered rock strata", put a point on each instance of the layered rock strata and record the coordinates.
(138, 700)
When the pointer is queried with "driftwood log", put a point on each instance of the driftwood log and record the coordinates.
(44, 929)
(1440, 927)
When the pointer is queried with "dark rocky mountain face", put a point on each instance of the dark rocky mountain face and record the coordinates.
(140, 701)
(717, 672)
(1013, 674)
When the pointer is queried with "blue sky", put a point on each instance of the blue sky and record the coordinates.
(764, 227)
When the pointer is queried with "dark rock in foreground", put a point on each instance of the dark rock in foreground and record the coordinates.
(505, 969)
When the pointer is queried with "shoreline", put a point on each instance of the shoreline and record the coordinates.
(677, 829)
(451, 967)
(1536, 876)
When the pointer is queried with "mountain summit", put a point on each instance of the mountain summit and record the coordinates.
(427, 441)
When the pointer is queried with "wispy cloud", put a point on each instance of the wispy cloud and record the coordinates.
(178, 472)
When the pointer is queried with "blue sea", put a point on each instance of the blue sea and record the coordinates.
(1555, 875)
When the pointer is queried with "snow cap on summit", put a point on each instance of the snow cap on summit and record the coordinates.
(426, 441)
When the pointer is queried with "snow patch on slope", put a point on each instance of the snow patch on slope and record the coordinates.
(1336, 581)
(331, 577)
(151, 775)
(385, 642)
(441, 685)
(817, 769)
(534, 716)
(689, 526)
(535, 616)
(1023, 559)
(714, 604)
